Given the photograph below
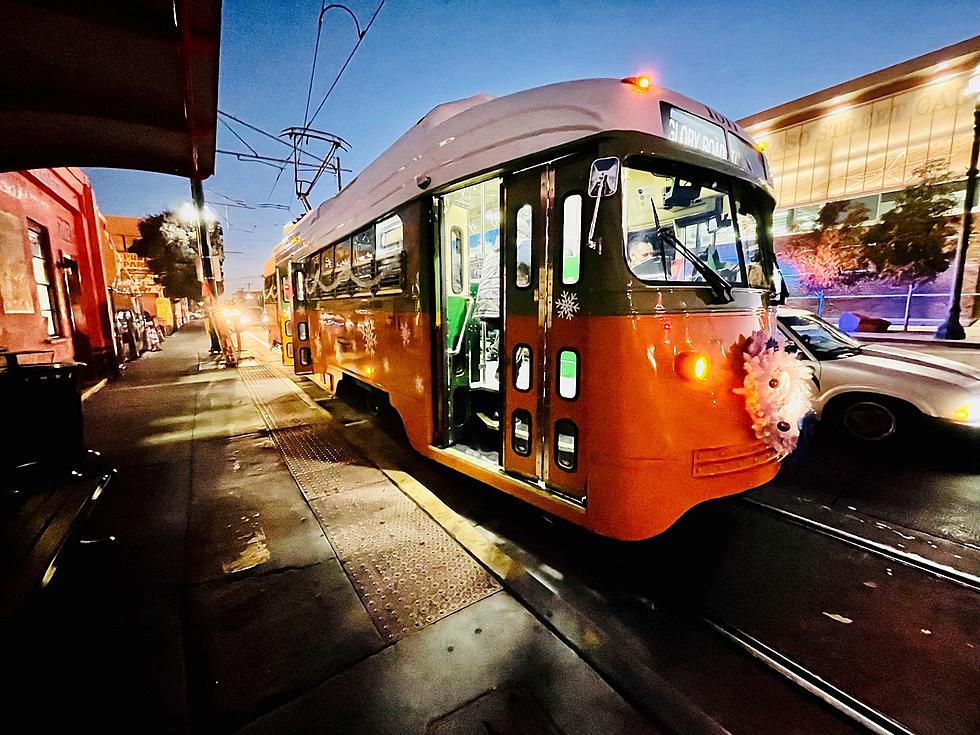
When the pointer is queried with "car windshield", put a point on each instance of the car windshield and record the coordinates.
(825, 342)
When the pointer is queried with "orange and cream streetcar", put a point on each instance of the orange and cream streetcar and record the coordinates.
(565, 293)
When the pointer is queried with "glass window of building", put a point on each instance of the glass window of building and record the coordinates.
(43, 279)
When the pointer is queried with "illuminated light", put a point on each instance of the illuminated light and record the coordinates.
(761, 145)
(970, 409)
(942, 78)
(48, 574)
(641, 82)
(693, 366)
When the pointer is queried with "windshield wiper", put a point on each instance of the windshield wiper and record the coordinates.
(719, 286)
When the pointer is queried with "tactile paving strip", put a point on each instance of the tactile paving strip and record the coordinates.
(407, 570)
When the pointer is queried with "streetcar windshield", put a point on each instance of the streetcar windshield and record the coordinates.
(723, 227)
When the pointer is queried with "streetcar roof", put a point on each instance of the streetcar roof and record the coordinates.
(457, 140)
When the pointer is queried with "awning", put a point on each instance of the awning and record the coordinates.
(115, 83)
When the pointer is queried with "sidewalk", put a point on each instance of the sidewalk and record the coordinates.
(265, 576)
(922, 335)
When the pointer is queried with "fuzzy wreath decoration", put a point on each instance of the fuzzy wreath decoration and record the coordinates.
(778, 392)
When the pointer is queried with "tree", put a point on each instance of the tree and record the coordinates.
(170, 248)
(831, 255)
(912, 244)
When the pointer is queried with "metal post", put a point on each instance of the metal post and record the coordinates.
(204, 252)
(908, 307)
(952, 329)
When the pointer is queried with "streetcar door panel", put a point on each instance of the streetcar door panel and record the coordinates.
(525, 309)
(547, 216)
(573, 266)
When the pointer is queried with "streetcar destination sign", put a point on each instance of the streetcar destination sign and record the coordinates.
(711, 139)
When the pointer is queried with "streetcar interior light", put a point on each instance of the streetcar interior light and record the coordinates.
(693, 366)
(642, 82)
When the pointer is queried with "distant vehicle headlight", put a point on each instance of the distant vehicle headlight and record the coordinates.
(969, 412)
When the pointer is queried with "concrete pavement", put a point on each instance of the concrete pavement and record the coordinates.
(221, 603)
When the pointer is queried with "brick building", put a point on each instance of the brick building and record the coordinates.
(53, 296)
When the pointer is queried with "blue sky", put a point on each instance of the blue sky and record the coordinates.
(738, 57)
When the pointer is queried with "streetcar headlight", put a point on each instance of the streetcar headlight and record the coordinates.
(693, 366)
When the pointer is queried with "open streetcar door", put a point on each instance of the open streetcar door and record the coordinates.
(547, 219)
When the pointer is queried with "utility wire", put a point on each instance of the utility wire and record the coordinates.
(344, 67)
(235, 133)
(260, 131)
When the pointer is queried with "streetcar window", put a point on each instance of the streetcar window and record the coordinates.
(520, 439)
(342, 276)
(305, 357)
(522, 368)
(523, 274)
(363, 260)
(571, 239)
(568, 374)
(302, 331)
(456, 258)
(326, 267)
(566, 444)
(289, 350)
(287, 327)
(300, 286)
(678, 208)
(285, 291)
(390, 239)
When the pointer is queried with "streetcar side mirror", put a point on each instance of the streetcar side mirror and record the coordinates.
(604, 177)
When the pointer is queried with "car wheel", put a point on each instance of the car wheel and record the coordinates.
(874, 419)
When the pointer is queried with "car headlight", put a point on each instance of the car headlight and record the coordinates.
(968, 412)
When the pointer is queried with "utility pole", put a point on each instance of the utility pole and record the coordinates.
(207, 270)
(951, 328)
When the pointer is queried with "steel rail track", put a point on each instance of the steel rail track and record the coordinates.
(964, 579)
(864, 714)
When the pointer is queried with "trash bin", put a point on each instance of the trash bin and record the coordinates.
(42, 415)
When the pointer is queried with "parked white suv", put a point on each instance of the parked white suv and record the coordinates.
(876, 392)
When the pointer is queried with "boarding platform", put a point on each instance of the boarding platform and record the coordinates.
(264, 576)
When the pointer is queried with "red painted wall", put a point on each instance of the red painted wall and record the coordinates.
(60, 200)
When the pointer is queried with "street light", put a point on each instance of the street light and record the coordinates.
(951, 328)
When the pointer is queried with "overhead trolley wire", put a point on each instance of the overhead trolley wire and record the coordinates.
(361, 35)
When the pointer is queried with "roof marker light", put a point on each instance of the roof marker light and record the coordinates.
(642, 82)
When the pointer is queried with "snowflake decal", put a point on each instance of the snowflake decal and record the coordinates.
(567, 305)
(406, 335)
(366, 328)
